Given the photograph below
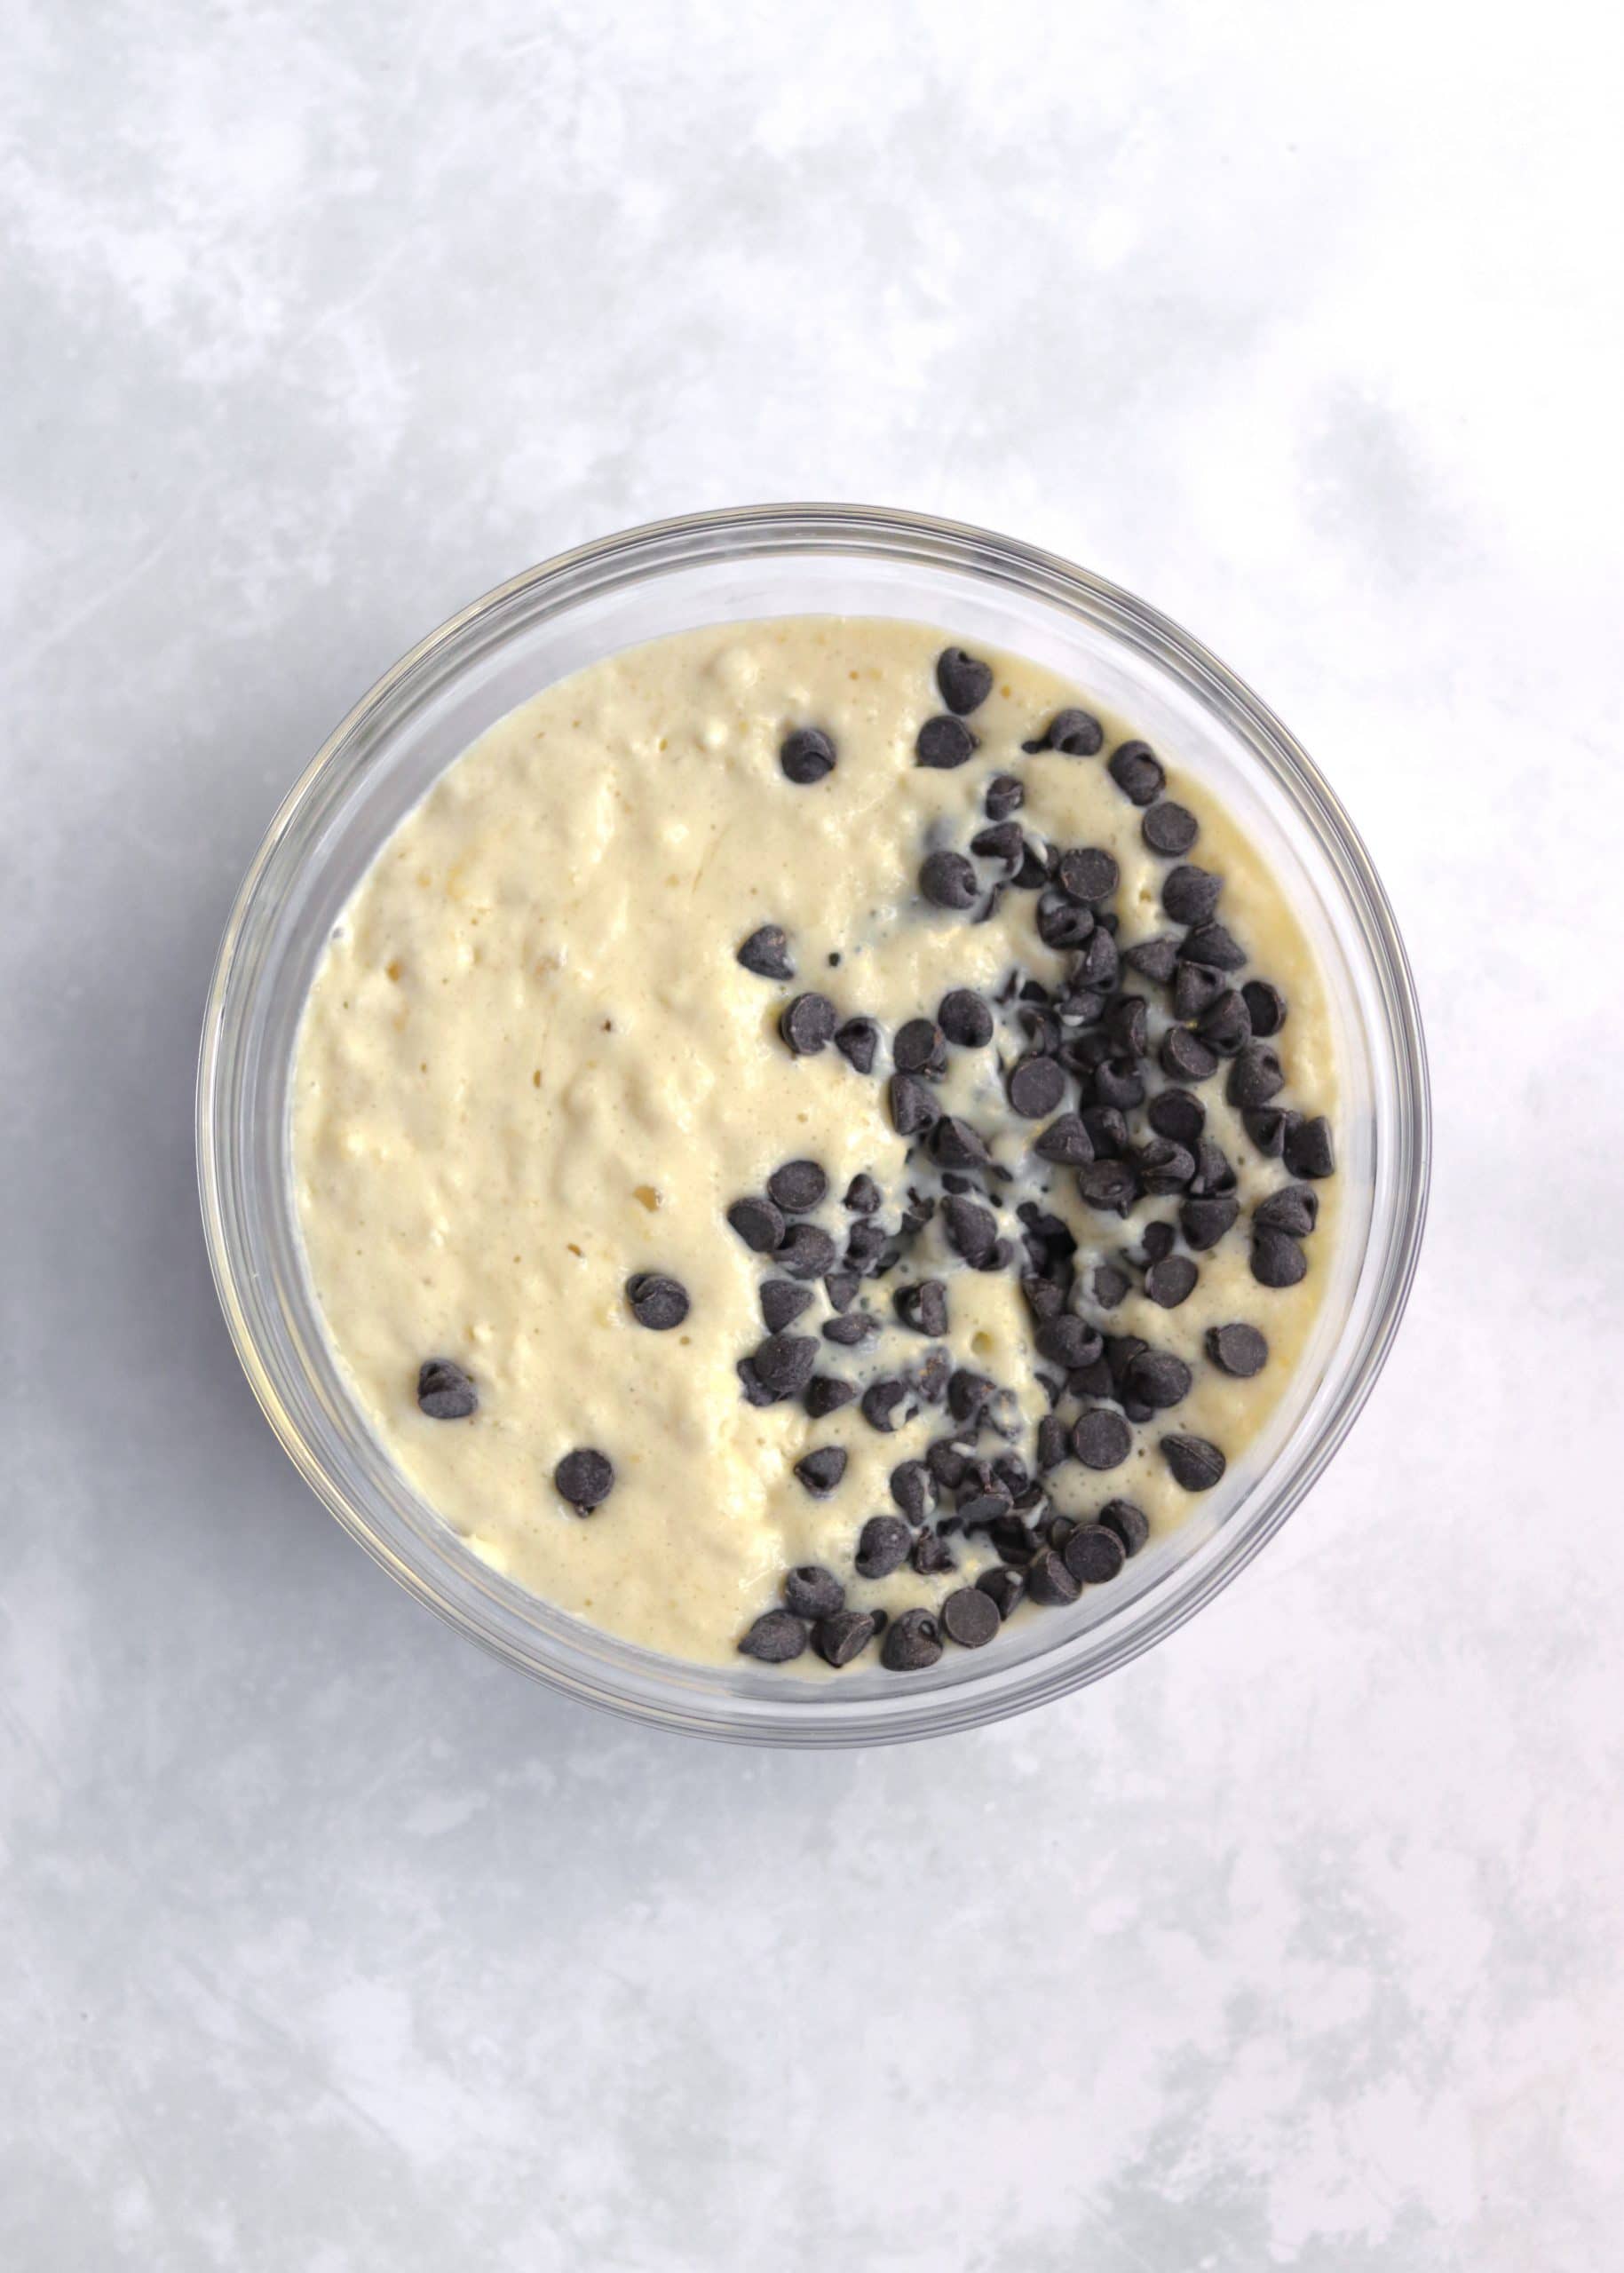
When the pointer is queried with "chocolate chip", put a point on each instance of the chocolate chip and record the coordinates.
(856, 1327)
(965, 681)
(1067, 1341)
(1048, 1581)
(862, 1194)
(964, 1018)
(1213, 945)
(882, 1547)
(782, 1303)
(1097, 962)
(1154, 959)
(1213, 1171)
(808, 1024)
(970, 1617)
(586, 1478)
(1076, 733)
(1293, 1210)
(1036, 1087)
(784, 1363)
(944, 742)
(806, 1252)
(1238, 1349)
(1226, 1024)
(445, 1392)
(1178, 1115)
(1184, 1057)
(842, 1287)
(918, 1048)
(1196, 988)
(807, 755)
(930, 1377)
(971, 1230)
(912, 1642)
(923, 1308)
(1163, 1166)
(1004, 796)
(797, 1186)
(1130, 1524)
(811, 1592)
(1063, 922)
(1138, 773)
(1195, 1463)
(767, 953)
(1107, 1131)
(657, 1301)
(1117, 1082)
(1101, 1439)
(930, 1555)
(1255, 1076)
(1001, 841)
(1087, 872)
(1277, 1261)
(1157, 1240)
(1265, 1007)
(967, 1396)
(881, 1400)
(1065, 1141)
(1171, 1281)
(1190, 894)
(1308, 1148)
(1156, 1379)
(1169, 828)
(1204, 1221)
(1003, 1588)
(826, 1393)
(1094, 1554)
(947, 880)
(776, 1637)
(1110, 1286)
(1109, 1187)
(840, 1638)
(955, 1144)
(913, 1108)
(755, 1390)
(913, 1487)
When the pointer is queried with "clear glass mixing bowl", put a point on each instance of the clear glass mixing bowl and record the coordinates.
(790, 560)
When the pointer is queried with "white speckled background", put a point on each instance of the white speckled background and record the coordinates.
(326, 1945)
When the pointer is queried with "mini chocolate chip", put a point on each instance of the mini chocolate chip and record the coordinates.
(923, 1308)
(947, 880)
(970, 1617)
(586, 1478)
(913, 1108)
(1154, 959)
(857, 1040)
(1190, 894)
(797, 1186)
(1195, 1463)
(918, 1048)
(445, 1392)
(882, 1547)
(657, 1301)
(1078, 733)
(1308, 1150)
(1130, 1524)
(1226, 1024)
(782, 1302)
(1255, 1075)
(1087, 872)
(1109, 1187)
(1110, 1286)
(1293, 1210)
(1003, 1588)
(881, 1400)
(1184, 1057)
(811, 1592)
(1265, 1007)
(862, 1194)
(972, 1230)
(1277, 1261)
(806, 1252)
(1171, 1281)
(1101, 1439)
(1213, 945)
(1067, 1341)
(776, 1637)
(767, 953)
(1156, 1379)
(1238, 1349)
(784, 1363)
(965, 680)
(1204, 1221)
(837, 1640)
(1178, 1115)
(1196, 986)
(1048, 1581)
(1065, 1141)
(944, 742)
(1004, 796)
(1036, 1087)
(808, 1024)
(955, 1144)
(912, 1642)
(807, 756)
(1094, 1554)
(1137, 771)
(826, 1393)
(1063, 922)
(1169, 828)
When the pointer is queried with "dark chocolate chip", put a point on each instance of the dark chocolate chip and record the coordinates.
(1265, 1007)
(1178, 1115)
(918, 1048)
(857, 1040)
(881, 1400)
(1109, 1187)
(955, 1144)
(947, 880)
(972, 1230)
(826, 1393)
(811, 1592)
(776, 1637)
(837, 1640)
(882, 1547)
(797, 1186)
(967, 1395)
(1163, 1166)
(913, 1108)
(1195, 987)
(1277, 1261)
(1169, 829)
(586, 1478)
(923, 1308)
(965, 680)
(1127, 1023)
(1308, 1150)
(1063, 922)
(808, 1024)
(1255, 1076)
(445, 1392)
(1094, 1554)
(1004, 796)
(782, 1302)
(913, 1487)
(1184, 1057)
(970, 1617)
(1054, 1443)
(1087, 872)
(1003, 1588)
(657, 1301)
(944, 742)
(1171, 1281)
(1154, 959)
(1001, 840)
(1130, 1524)
(862, 1194)
(1226, 1024)
(1097, 962)
(1036, 1087)
(1195, 1463)
(755, 1390)
(1107, 1131)
(1137, 771)
(1158, 1240)
(1067, 1341)
(1048, 1581)
(847, 1331)
(1293, 1210)
(1065, 1141)
(1102, 1438)
(767, 953)
(1238, 1349)
(1117, 1082)
(1110, 1285)
(912, 1642)
(842, 1287)
(1268, 1126)
(1076, 733)
(807, 756)
(1213, 1170)
(1156, 1379)
(930, 1553)
(1204, 1221)
(1190, 894)
(784, 1363)
(806, 1252)
(1213, 945)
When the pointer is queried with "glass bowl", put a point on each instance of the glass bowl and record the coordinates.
(781, 560)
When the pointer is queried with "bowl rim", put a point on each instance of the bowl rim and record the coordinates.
(818, 1717)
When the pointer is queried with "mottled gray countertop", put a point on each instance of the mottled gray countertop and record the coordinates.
(329, 1944)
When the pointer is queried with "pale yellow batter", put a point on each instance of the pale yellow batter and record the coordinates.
(531, 1065)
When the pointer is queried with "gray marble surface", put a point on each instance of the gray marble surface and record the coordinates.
(327, 1944)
